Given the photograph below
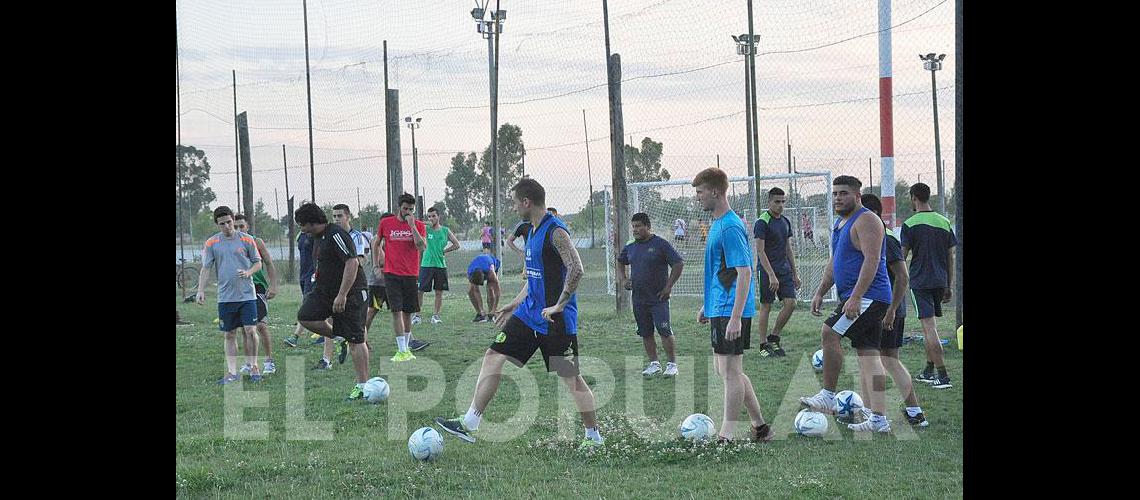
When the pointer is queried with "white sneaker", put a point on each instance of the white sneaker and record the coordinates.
(435, 319)
(653, 368)
(820, 403)
(868, 426)
(268, 368)
(416, 319)
(671, 369)
(245, 369)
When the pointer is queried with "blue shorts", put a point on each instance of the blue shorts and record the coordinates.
(237, 314)
(786, 290)
(649, 316)
(306, 284)
(929, 302)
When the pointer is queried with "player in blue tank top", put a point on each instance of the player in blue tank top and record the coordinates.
(859, 272)
(542, 317)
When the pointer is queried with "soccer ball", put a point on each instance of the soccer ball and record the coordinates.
(847, 403)
(811, 423)
(376, 390)
(698, 427)
(817, 360)
(425, 444)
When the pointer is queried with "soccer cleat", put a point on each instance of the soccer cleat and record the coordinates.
(917, 420)
(820, 403)
(320, 341)
(942, 383)
(291, 341)
(762, 434)
(927, 377)
(228, 378)
(416, 319)
(343, 352)
(357, 392)
(417, 345)
(671, 369)
(766, 351)
(323, 364)
(268, 367)
(455, 427)
(435, 319)
(776, 349)
(478, 318)
(256, 377)
(403, 356)
(589, 444)
(653, 368)
(245, 369)
(869, 426)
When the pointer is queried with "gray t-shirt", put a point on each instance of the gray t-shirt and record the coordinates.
(228, 255)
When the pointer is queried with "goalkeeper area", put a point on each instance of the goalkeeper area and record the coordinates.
(672, 204)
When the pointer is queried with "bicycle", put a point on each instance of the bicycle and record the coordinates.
(186, 276)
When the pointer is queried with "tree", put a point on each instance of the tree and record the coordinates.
(266, 226)
(459, 196)
(645, 164)
(368, 218)
(196, 194)
(511, 151)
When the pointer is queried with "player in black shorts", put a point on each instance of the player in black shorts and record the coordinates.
(339, 291)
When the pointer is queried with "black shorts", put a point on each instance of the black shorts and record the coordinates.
(488, 245)
(402, 294)
(433, 278)
(262, 304)
(306, 284)
(866, 332)
(892, 339)
(518, 342)
(650, 316)
(318, 306)
(721, 346)
(377, 296)
(928, 301)
(786, 290)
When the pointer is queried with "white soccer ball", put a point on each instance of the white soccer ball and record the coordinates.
(376, 390)
(698, 427)
(425, 444)
(817, 360)
(847, 403)
(811, 423)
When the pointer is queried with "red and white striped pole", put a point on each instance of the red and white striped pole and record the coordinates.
(886, 124)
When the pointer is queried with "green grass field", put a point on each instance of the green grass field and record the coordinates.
(356, 449)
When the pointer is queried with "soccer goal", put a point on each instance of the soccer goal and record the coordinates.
(676, 216)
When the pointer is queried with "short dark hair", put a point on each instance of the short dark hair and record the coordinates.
(641, 217)
(342, 207)
(847, 180)
(920, 191)
(407, 198)
(873, 203)
(530, 189)
(714, 177)
(310, 213)
(238, 217)
(775, 192)
(552, 209)
(433, 209)
(476, 278)
(222, 211)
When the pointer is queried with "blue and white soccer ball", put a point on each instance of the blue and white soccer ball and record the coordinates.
(698, 427)
(817, 360)
(811, 423)
(376, 390)
(425, 444)
(847, 404)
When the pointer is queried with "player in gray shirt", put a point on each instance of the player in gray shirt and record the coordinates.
(233, 254)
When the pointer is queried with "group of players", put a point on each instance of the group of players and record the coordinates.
(543, 316)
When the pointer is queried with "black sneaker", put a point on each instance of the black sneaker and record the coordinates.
(323, 364)
(766, 351)
(291, 341)
(456, 427)
(917, 420)
(417, 345)
(942, 383)
(776, 349)
(343, 352)
(478, 318)
(927, 377)
(762, 434)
